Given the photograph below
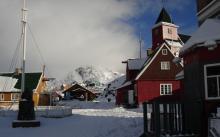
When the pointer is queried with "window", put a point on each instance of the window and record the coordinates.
(169, 31)
(165, 89)
(1, 97)
(212, 81)
(164, 51)
(165, 65)
(15, 96)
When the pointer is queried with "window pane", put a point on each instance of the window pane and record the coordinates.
(212, 87)
(169, 89)
(213, 70)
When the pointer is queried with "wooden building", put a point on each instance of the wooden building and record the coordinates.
(202, 76)
(79, 92)
(154, 76)
(10, 88)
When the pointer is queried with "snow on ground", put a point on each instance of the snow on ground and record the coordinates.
(89, 119)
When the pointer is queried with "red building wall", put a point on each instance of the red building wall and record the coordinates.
(122, 95)
(148, 90)
(157, 37)
(154, 71)
(202, 54)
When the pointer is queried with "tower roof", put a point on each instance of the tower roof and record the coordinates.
(164, 17)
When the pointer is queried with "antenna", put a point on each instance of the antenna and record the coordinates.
(140, 43)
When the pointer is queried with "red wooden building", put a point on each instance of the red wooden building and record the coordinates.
(154, 76)
(202, 69)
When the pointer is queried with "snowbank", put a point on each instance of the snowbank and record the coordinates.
(93, 119)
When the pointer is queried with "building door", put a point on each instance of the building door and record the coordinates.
(130, 97)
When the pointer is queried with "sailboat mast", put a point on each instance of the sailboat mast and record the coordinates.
(24, 43)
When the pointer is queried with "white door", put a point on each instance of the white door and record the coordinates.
(130, 97)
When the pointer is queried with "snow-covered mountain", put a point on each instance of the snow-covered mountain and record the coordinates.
(95, 78)
(110, 90)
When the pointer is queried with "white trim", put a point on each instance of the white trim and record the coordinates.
(148, 63)
(165, 24)
(16, 101)
(206, 84)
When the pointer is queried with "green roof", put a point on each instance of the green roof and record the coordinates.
(31, 80)
(164, 17)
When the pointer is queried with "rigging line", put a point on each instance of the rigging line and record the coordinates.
(13, 61)
(38, 49)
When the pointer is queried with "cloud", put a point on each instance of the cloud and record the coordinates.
(70, 33)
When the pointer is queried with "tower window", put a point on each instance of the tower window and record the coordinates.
(169, 31)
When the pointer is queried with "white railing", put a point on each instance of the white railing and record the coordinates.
(42, 111)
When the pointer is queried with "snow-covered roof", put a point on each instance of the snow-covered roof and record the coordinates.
(117, 83)
(125, 84)
(136, 64)
(174, 43)
(180, 75)
(7, 84)
(208, 31)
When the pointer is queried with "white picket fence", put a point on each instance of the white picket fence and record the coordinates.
(42, 111)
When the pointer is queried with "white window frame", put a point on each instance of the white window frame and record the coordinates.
(206, 84)
(162, 87)
(2, 97)
(165, 65)
(164, 51)
(13, 95)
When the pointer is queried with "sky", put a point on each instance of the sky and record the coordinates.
(66, 34)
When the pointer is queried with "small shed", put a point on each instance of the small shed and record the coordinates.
(76, 91)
